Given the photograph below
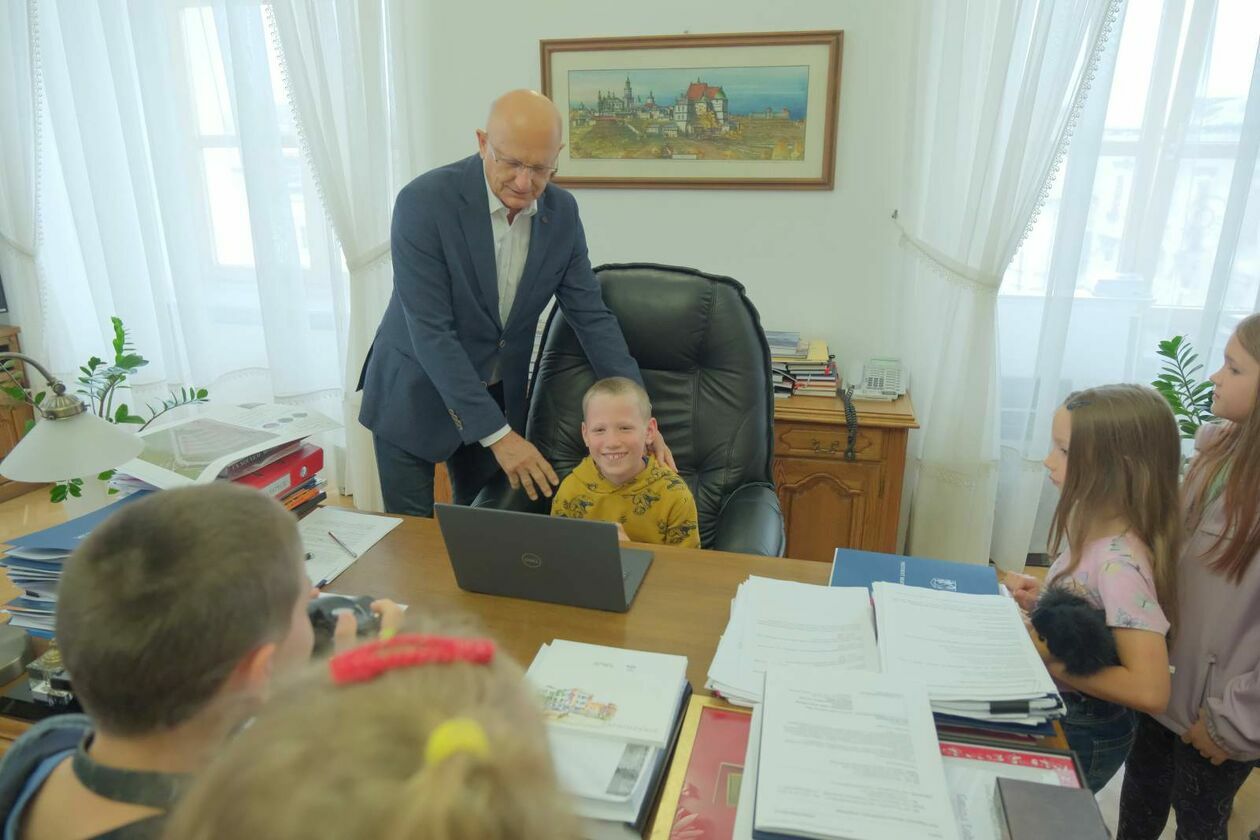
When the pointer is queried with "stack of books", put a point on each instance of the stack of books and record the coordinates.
(34, 562)
(613, 718)
(261, 445)
(805, 368)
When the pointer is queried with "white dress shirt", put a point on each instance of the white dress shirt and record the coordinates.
(511, 247)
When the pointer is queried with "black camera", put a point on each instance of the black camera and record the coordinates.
(324, 609)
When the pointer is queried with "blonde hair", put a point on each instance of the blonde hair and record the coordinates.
(1124, 458)
(619, 386)
(1238, 446)
(332, 760)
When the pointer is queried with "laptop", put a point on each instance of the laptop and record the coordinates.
(576, 562)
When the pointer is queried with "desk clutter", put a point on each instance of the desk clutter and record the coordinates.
(877, 706)
(262, 446)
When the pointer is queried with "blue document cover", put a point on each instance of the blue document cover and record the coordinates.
(68, 535)
(851, 567)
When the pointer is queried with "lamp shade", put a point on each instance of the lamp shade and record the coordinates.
(71, 447)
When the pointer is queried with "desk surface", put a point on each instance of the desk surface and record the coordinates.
(681, 608)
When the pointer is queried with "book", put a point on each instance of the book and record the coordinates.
(290, 471)
(851, 567)
(847, 755)
(702, 790)
(1032, 811)
(626, 696)
(226, 442)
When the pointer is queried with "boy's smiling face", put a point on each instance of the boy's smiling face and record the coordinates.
(617, 435)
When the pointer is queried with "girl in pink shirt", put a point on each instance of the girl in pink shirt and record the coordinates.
(1115, 457)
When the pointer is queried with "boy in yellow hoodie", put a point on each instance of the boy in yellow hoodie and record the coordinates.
(619, 482)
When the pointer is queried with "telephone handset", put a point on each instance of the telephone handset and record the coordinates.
(881, 379)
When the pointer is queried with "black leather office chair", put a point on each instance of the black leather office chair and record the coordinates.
(705, 362)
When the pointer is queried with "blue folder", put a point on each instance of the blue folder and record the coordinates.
(851, 567)
(68, 535)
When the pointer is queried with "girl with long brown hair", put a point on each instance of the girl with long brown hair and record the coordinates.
(1194, 757)
(1114, 458)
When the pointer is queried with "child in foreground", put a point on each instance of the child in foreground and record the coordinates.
(618, 481)
(429, 734)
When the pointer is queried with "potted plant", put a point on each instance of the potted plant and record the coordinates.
(100, 385)
(1190, 399)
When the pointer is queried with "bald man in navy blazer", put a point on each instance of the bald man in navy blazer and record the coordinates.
(479, 248)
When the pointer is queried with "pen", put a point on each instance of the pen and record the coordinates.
(343, 545)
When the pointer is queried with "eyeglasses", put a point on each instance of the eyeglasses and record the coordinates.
(536, 173)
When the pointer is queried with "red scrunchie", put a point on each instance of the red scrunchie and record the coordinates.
(369, 661)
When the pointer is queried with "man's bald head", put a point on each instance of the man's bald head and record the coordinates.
(519, 147)
(525, 116)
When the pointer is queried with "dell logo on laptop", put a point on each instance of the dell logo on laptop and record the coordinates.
(531, 561)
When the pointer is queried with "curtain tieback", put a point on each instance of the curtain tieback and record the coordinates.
(959, 272)
(369, 257)
(21, 249)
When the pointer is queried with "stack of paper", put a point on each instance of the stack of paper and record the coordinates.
(778, 622)
(839, 755)
(612, 718)
(33, 564)
(971, 652)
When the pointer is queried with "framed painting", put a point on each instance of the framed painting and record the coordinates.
(751, 111)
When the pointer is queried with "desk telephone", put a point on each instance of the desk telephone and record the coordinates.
(880, 379)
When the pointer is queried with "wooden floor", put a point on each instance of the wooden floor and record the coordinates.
(33, 511)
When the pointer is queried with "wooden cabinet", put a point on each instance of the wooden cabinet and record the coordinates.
(14, 414)
(828, 501)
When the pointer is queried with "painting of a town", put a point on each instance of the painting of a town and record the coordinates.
(719, 113)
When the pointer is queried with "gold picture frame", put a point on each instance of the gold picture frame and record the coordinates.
(734, 111)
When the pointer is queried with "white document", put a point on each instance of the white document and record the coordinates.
(359, 532)
(629, 696)
(851, 755)
(599, 768)
(196, 450)
(777, 622)
(743, 828)
(959, 646)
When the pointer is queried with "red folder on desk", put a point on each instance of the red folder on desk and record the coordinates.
(281, 476)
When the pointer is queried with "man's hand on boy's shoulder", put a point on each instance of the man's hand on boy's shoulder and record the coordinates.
(661, 450)
(524, 465)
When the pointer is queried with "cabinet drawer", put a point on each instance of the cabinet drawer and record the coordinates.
(823, 441)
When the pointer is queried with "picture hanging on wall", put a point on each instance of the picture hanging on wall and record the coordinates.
(750, 111)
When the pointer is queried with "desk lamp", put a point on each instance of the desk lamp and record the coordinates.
(72, 441)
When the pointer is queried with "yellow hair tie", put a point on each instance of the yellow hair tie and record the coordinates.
(387, 634)
(457, 735)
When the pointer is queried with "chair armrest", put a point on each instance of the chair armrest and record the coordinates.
(499, 494)
(751, 522)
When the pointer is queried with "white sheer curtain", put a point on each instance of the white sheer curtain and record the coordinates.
(175, 197)
(18, 243)
(1153, 231)
(336, 62)
(995, 90)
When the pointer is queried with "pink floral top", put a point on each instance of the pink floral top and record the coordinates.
(1115, 575)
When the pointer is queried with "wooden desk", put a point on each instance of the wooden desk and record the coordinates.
(829, 502)
(681, 608)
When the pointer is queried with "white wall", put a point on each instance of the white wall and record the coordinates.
(823, 262)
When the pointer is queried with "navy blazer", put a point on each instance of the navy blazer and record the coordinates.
(441, 340)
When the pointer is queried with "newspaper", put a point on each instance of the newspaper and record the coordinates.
(224, 442)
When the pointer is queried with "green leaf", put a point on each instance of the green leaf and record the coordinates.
(30, 424)
(14, 391)
(203, 394)
(39, 398)
(107, 475)
(57, 493)
(111, 491)
(75, 490)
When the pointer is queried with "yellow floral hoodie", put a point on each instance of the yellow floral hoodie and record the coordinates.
(654, 507)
